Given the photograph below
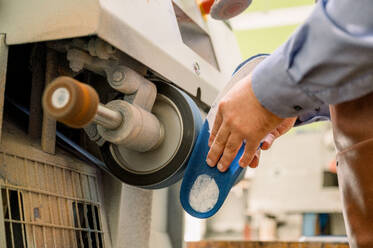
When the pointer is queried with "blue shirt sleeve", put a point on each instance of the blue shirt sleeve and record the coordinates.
(321, 114)
(328, 60)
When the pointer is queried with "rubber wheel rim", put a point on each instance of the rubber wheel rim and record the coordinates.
(174, 169)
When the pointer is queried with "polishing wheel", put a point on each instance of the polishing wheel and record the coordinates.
(70, 101)
(164, 165)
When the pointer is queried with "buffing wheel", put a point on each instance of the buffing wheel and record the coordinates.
(165, 165)
(70, 101)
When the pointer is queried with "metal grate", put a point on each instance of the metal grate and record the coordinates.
(86, 218)
(49, 205)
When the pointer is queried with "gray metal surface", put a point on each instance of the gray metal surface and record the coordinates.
(129, 212)
(195, 36)
(175, 220)
(135, 229)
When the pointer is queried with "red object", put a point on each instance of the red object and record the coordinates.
(247, 232)
(333, 166)
(205, 6)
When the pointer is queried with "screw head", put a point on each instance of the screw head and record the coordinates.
(118, 76)
(196, 68)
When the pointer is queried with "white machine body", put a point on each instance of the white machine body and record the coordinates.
(157, 33)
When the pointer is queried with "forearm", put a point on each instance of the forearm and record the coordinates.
(328, 60)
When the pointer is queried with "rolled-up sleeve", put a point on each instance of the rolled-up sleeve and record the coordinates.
(328, 60)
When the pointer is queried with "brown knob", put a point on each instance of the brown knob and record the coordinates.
(70, 102)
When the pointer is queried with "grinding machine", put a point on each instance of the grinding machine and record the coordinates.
(128, 82)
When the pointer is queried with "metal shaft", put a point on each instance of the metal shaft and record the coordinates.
(107, 118)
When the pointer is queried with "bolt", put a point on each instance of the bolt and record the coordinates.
(91, 131)
(196, 68)
(76, 65)
(117, 76)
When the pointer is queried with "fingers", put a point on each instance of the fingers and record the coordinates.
(268, 141)
(231, 148)
(255, 162)
(248, 154)
(286, 125)
(215, 128)
(218, 145)
(281, 129)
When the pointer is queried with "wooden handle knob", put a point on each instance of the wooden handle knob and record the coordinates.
(70, 101)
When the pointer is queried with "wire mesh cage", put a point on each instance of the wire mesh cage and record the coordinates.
(47, 201)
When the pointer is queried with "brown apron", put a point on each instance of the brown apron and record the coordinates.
(353, 135)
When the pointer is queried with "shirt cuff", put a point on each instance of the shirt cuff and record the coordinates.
(322, 114)
(272, 86)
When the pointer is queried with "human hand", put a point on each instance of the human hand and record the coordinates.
(240, 117)
(280, 130)
(267, 142)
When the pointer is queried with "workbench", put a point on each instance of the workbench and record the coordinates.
(247, 244)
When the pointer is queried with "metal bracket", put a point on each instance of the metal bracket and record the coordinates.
(48, 132)
(3, 67)
(93, 135)
(119, 77)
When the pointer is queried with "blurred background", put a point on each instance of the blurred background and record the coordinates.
(266, 24)
(293, 194)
